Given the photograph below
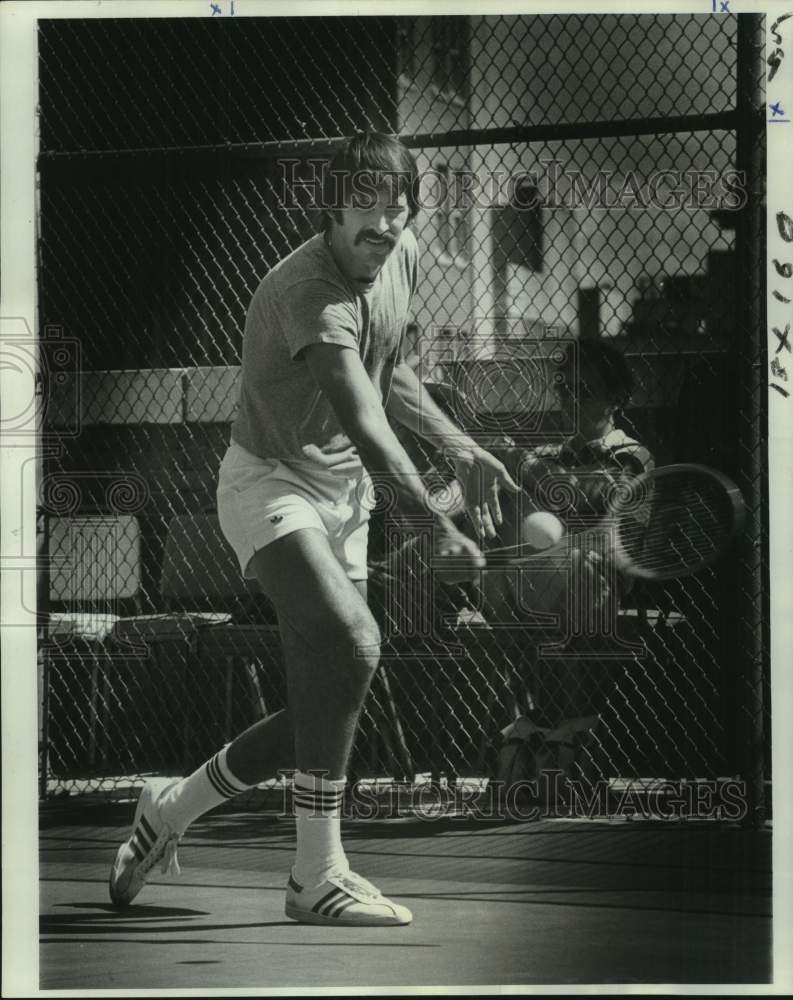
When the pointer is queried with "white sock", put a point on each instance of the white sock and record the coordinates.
(318, 812)
(194, 795)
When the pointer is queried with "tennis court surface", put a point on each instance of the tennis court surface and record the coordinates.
(553, 901)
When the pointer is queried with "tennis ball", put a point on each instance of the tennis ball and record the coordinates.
(541, 530)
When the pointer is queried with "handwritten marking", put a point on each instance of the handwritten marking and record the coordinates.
(775, 25)
(775, 61)
(785, 226)
(777, 116)
(215, 9)
(782, 336)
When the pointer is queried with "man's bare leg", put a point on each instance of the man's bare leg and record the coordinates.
(323, 619)
(330, 645)
(331, 648)
(263, 749)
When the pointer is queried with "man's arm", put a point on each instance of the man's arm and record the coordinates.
(341, 375)
(410, 404)
(479, 473)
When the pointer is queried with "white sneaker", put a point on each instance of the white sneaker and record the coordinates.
(347, 900)
(152, 840)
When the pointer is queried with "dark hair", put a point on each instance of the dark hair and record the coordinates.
(598, 358)
(375, 160)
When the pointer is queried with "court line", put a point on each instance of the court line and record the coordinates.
(104, 929)
(369, 852)
(593, 906)
(441, 892)
(457, 897)
(258, 944)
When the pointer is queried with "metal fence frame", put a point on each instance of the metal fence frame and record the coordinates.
(748, 752)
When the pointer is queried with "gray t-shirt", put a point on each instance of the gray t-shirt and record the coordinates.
(306, 300)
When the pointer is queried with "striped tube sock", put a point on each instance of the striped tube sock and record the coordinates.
(204, 789)
(318, 813)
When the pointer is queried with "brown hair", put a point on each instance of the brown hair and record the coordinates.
(370, 160)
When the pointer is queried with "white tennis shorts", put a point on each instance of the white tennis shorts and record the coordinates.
(261, 500)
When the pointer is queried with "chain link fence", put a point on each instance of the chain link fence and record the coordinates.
(580, 182)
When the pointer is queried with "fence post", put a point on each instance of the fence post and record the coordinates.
(44, 464)
(751, 623)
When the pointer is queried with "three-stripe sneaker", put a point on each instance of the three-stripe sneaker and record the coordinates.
(345, 899)
(152, 840)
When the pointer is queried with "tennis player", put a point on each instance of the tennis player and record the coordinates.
(323, 372)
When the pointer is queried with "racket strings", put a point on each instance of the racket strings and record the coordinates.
(680, 525)
(687, 525)
(663, 533)
(655, 527)
(646, 536)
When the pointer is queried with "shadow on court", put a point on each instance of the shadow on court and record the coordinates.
(554, 901)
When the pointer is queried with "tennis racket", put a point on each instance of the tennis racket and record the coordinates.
(668, 523)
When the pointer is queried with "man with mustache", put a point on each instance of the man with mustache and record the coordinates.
(322, 373)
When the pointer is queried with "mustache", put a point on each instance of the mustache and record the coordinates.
(371, 234)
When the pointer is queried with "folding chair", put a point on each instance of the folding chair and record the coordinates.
(95, 565)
